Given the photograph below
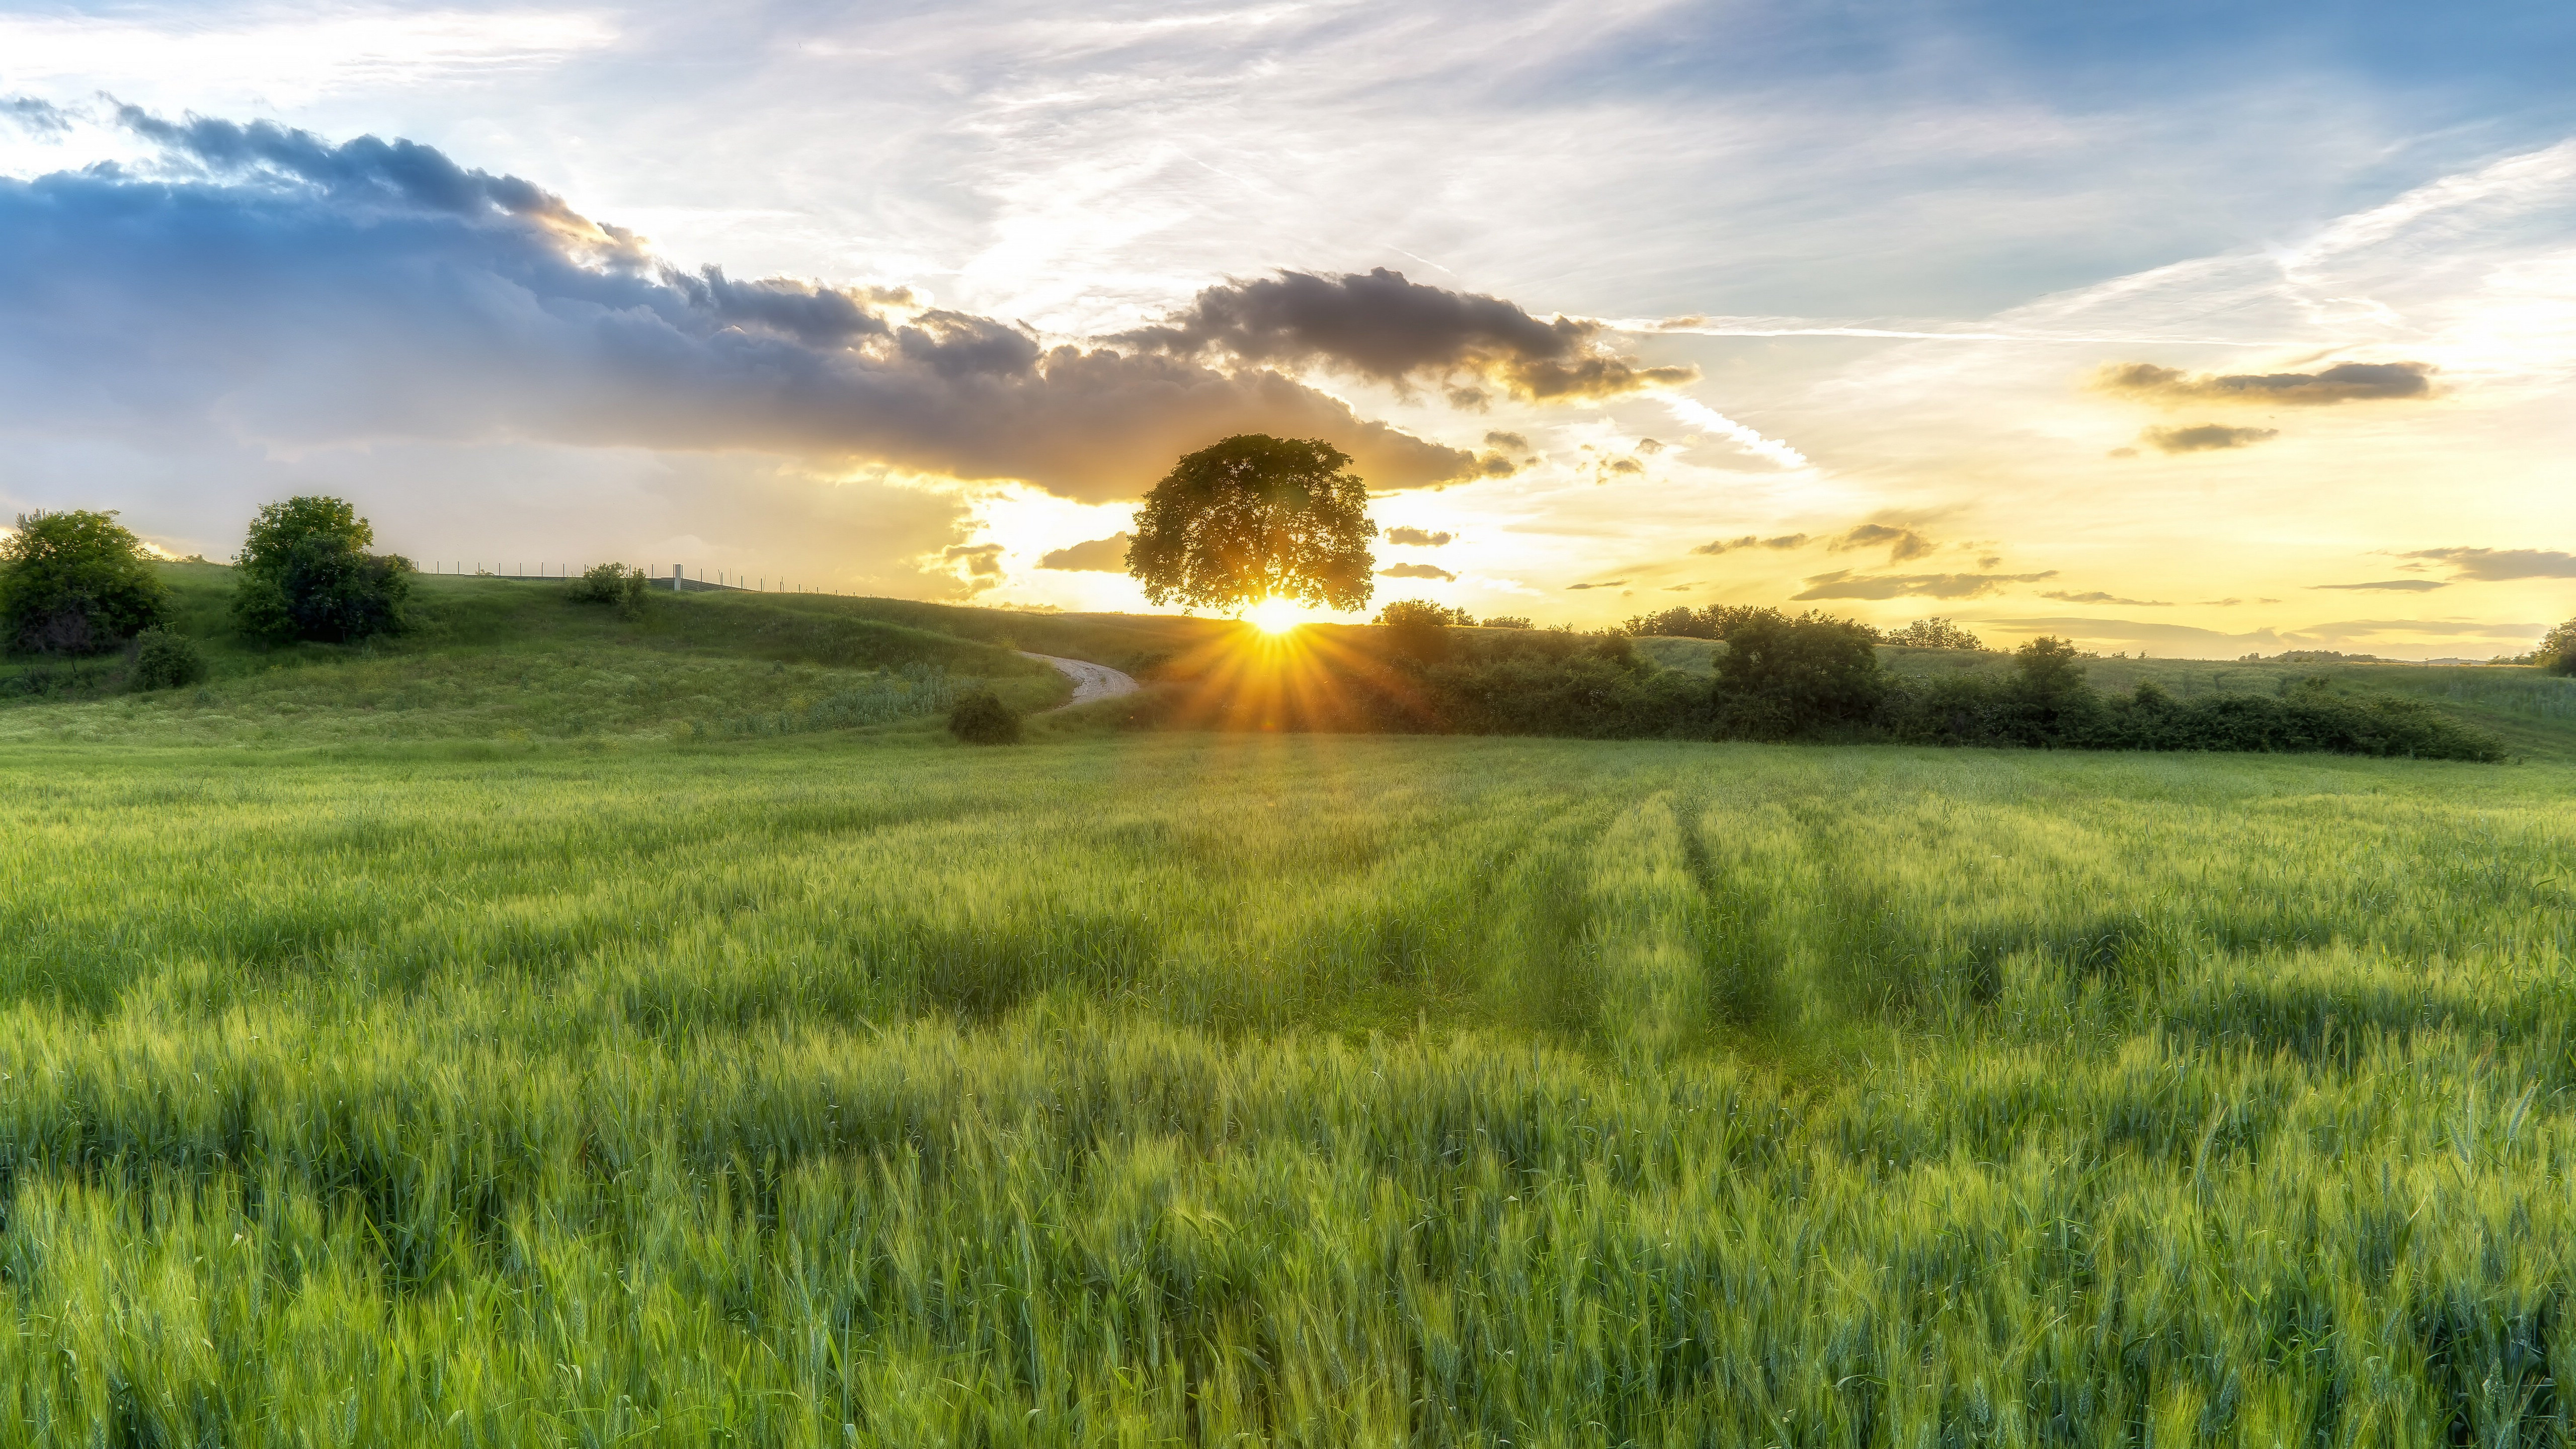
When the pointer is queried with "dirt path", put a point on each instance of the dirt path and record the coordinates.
(1090, 681)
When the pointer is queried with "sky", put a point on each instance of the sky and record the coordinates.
(2190, 329)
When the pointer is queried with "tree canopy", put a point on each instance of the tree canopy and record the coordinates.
(76, 583)
(1933, 633)
(2556, 651)
(1783, 676)
(306, 574)
(1254, 518)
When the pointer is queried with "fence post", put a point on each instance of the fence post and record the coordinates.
(675, 578)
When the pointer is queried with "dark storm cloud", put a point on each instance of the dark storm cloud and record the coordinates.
(2341, 383)
(280, 289)
(1099, 555)
(1903, 543)
(1730, 545)
(2496, 564)
(1380, 325)
(1844, 585)
(1417, 571)
(2399, 586)
(1419, 537)
(2206, 438)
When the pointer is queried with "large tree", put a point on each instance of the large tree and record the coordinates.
(76, 583)
(2557, 650)
(306, 574)
(1256, 518)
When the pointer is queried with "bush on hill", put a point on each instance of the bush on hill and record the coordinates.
(980, 718)
(76, 583)
(1933, 633)
(611, 583)
(306, 574)
(1784, 677)
(163, 660)
(1716, 621)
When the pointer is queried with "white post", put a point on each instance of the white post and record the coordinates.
(675, 578)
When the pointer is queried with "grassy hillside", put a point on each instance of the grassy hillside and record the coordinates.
(856, 1090)
(505, 659)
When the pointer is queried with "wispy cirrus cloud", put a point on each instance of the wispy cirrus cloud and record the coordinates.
(2205, 438)
(2394, 586)
(1845, 584)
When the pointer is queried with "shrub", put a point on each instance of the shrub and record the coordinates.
(163, 660)
(1717, 621)
(1508, 621)
(1783, 677)
(76, 583)
(980, 718)
(611, 583)
(1934, 633)
(1423, 611)
(306, 574)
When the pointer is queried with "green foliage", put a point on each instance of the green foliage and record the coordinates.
(306, 574)
(1933, 633)
(1507, 621)
(980, 718)
(76, 583)
(609, 583)
(1362, 1092)
(1423, 611)
(1254, 518)
(1716, 621)
(1785, 677)
(2556, 651)
(163, 660)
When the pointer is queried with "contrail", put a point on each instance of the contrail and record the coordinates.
(1788, 327)
(1709, 420)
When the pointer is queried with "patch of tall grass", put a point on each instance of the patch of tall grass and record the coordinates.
(1301, 1090)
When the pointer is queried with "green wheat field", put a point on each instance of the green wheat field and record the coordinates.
(580, 1035)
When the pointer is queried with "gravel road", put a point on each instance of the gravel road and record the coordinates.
(1090, 681)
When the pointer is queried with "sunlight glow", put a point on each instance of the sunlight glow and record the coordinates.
(1275, 616)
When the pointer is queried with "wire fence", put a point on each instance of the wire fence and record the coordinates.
(678, 578)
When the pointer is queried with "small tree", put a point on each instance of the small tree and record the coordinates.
(1507, 621)
(76, 583)
(1934, 633)
(1783, 677)
(306, 574)
(2556, 651)
(1255, 518)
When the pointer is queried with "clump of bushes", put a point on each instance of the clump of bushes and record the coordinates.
(306, 574)
(980, 718)
(2556, 651)
(163, 660)
(76, 583)
(614, 584)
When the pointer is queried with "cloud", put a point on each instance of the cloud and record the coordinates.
(1099, 555)
(1843, 585)
(1610, 584)
(1513, 441)
(2098, 597)
(982, 562)
(2406, 586)
(1419, 538)
(2496, 564)
(1730, 545)
(2341, 383)
(1903, 543)
(42, 118)
(280, 290)
(2205, 438)
(1417, 571)
(1380, 325)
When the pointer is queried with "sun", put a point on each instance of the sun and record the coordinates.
(1274, 616)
